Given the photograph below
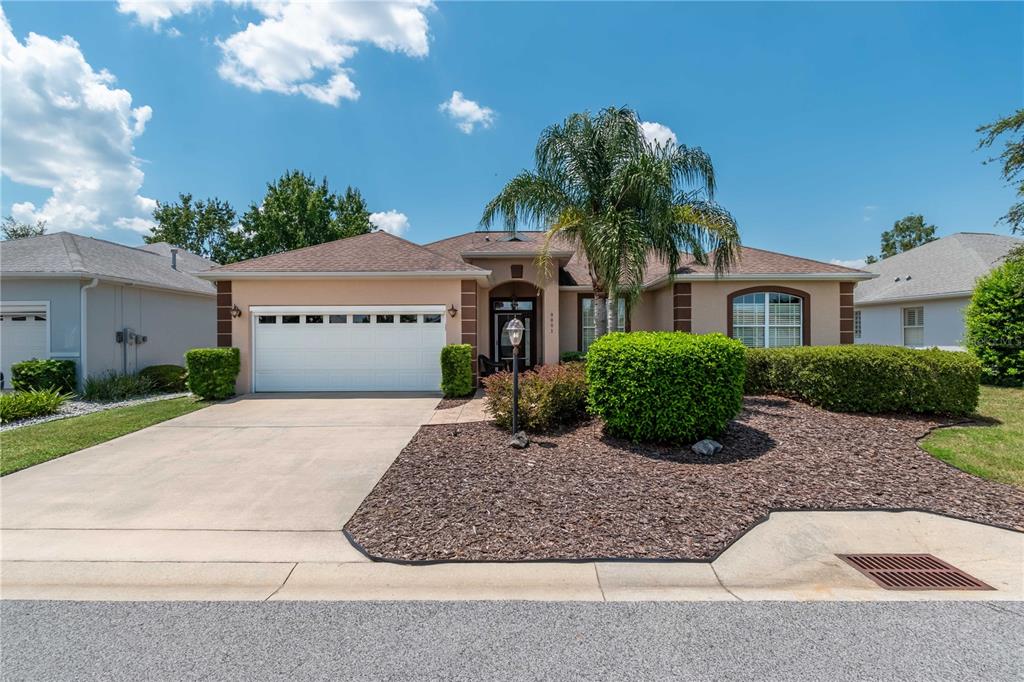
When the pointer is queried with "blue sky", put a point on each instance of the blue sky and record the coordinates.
(826, 122)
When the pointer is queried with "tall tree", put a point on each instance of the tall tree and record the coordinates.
(205, 227)
(907, 233)
(1012, 160)
(297, 211)
(15, 229)
(621, 201)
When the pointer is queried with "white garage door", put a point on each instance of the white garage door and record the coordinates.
(356, 348)
(22, 337)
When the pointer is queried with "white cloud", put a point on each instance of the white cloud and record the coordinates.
(869, 213)
(657, 133)
(390, 221)
(466, 113)
(852, 263)
(301, 48)
(68, 129)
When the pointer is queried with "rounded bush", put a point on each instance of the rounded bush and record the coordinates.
(995, 322)
(665, 386)
(457, 370)
(866, 378)
(165, 378)
(212, 372)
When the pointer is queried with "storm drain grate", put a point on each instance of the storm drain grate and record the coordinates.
(912, 572)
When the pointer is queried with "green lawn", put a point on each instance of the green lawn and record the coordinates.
(29, 445)
(994, 451)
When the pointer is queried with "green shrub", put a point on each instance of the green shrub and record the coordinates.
(43, 374)
(665, 386)
(165, 378)
(212, 372)
(995, 322)
(34, 402)
(574, 356)
(457, 370)
(549, 396)
(866, 378)
(111, 387)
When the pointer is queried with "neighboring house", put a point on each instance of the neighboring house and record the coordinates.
(919, 296)
(372, 312)
(137, 306)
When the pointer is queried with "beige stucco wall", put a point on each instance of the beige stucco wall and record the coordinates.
(710, 306)
(536, 283)
(312, 292)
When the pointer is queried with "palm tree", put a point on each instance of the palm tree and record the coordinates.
(621, 201)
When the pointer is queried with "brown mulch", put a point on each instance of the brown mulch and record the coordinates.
(447, 403)
(459, 492)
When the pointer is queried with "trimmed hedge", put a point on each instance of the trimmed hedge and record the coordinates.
(866, 378)
(457, 370)
(549, 396)
(212, 372)
(165, 378)
(995, 322)
(665, 386)
(34, 402)
(58, 375)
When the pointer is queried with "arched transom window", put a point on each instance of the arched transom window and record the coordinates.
(768, 319)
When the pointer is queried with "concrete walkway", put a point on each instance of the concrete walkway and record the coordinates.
(789, 557)
(474, 410)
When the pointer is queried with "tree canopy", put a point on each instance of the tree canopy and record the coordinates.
(621, 200)
(906, 233)
(205, 227)
(1011, 158)
(296, 211)
(15, 229)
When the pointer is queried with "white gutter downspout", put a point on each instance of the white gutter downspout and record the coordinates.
(83, 346)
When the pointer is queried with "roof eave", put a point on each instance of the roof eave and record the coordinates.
(910, 299)
(765, 277)
(106, 278)
(515, 254)
(215, 275)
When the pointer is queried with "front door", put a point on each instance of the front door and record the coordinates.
(502, 312)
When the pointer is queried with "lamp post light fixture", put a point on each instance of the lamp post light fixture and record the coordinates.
(515, 329)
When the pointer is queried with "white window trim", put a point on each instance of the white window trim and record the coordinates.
(858, 324)
(584, 328)
(903, 320)
(767, 318)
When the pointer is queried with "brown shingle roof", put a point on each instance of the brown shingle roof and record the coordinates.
(373, 252)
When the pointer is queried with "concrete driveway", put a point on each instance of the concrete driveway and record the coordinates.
(268, 477)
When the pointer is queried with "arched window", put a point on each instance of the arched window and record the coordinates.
(768, 319)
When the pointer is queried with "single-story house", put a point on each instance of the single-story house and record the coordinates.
(106, 306)
(919, 296)
(372, 312)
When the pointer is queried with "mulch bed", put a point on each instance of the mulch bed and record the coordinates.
(459, 492)
(447, 403)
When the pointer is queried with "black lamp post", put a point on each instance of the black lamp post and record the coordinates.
(514, 329)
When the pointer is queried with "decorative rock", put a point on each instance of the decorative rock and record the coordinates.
(707, 447)
(519, 440)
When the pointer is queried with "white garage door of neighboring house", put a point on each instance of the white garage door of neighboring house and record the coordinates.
(24, 335)
(353, 348)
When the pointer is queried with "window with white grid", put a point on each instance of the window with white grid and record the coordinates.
(768, 319)
(913, 326)
(856, 324)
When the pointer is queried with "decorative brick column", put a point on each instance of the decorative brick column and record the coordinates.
(682, 310)
(224, 314)
(469, 320)
(846, 312)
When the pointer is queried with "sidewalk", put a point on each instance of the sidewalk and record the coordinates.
(791, 556)
(473, 411)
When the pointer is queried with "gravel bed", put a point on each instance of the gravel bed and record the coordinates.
(77, 407)
(459, 492)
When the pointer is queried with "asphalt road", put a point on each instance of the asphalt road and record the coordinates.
(511, 640)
